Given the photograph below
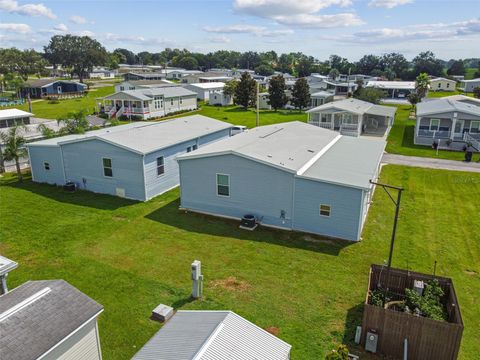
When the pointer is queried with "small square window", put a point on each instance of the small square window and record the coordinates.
(223, 185)
(189, 149)
(46, 165)
(194, 147)
(160, 166)
(325, 210)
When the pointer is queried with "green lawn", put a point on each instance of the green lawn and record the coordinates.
(470, 73)
(132, 256)
(440, 94)
(400, 139)
(48, 110)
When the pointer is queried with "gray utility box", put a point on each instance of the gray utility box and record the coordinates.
(371, 342)
(162, 313)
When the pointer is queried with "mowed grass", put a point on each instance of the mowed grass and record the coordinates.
(401, 137)
(51, 110)
(132, 256)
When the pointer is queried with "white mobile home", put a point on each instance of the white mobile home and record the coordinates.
(395, 91)
(468, 85)
(219, 98)
(442, 84)
(149, 103)
(135, 161)
(203, 90)
(306, 178)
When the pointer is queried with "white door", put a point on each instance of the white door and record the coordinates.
(459, 126)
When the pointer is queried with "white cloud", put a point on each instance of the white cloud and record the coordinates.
(248, 29)
(60, 27)
(437, 32)
(12, 6)
(301, 13)
(137, 40)
(77, 19)
(388, 4)
(16, 28)
(221, 39)
(85, 33)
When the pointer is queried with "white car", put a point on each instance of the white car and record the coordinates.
(237, 129)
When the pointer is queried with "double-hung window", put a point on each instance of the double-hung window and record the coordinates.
(160, 166)
(223, 185)
(434, 124)
(475, 127)
(107, 167)
(46, 165)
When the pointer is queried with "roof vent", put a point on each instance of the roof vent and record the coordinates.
(310, 150)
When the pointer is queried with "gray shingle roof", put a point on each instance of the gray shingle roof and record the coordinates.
(212, 335)
(42, 82)
(446, 105)
(35, 328)
(145, 137)
(357, 107)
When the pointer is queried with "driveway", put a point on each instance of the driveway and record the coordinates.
(431, 163)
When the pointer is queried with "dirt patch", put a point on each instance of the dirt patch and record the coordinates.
(273, 330)
(470, 272)
(119, 218)
(231, 283)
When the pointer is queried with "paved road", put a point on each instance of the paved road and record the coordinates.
(431, 163)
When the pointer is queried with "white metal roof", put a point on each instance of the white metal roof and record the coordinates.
(13, 114)
(6, 265)
(148, 94)
(400, 85)
(307, 151)
(357, 107)
(212, 335)
(208, 85)
(446, 105)
(146, 137)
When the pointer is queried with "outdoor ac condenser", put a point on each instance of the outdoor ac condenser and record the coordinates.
(371, 342)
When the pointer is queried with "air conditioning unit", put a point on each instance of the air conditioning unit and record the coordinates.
(371, 342)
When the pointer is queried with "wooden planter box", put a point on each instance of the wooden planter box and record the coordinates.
(427, 338)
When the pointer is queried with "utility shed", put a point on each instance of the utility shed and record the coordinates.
(135, 161)
(48, 320)
(291, 176)
(210, 335)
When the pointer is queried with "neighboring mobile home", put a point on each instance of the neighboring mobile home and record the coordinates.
(12, 117)
(203, 335)
(142, 84)
(395, 91)
(48, 320)
(53, 88)
(448, 123)
(353, 117)
(144, 76)
(468, 85)
(321, 97)
(292, 176)
(150, 102)
(442, 84)
(219, 98)
(135, 161)
(203, 90)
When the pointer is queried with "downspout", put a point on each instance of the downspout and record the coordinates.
(63, 165)
(293, 201)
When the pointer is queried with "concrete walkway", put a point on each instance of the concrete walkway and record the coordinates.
(431, 163)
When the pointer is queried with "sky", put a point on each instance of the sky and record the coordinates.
(349, 28)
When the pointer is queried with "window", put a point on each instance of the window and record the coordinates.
(107, 167)
(448, 85)
(181, 101)
(439, 85)
(325, 210)
(157, 102)
(194, 147)
(160, 166)
(324, 118)
(475, 127)
(189, 149)
(46, 165)
(171, 102)
(122, 88)
(434, 124)
(223, 185)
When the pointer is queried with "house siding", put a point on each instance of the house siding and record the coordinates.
(83, 160)
(346, 209)
(51, 154)
(255, 189)
(158, 184)
(83, 345)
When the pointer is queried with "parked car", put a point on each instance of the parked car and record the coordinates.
(237, 129)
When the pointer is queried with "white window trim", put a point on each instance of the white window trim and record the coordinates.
(157, 166)
(474, 122)
(430, 126)
(111, 167)
(216, 187)
(320, 210)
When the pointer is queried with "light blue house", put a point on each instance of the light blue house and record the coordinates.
(291, 176)
(135, 161)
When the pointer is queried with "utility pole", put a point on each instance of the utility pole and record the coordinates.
(258, 104)
(395, 220)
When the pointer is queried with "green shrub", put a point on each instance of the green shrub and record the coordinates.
(429, 304)
(340, 354)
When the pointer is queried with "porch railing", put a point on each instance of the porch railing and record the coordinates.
(472, 140)
(440, 134)
(350, 129)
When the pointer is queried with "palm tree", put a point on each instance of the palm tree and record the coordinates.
(414, 99)
(334, 74)
(13, 147)
(422, 85)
